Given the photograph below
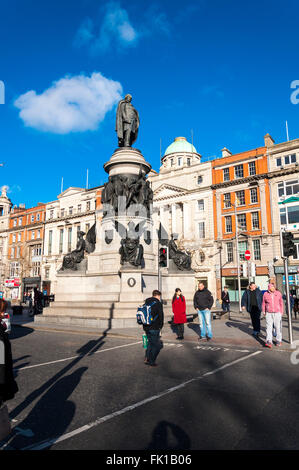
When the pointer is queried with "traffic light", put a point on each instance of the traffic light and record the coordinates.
(288, 246)
(163, 257)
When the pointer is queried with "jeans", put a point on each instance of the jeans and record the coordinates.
(273, 319)
(226, 306)
(154, 345)
(204, 317)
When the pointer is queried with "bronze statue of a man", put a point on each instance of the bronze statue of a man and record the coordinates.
(127, 122)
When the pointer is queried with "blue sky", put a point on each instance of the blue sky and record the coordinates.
(221, 68)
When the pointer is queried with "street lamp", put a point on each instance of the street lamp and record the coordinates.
(238, 254)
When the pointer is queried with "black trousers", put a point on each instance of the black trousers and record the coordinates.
(255, 315)
(180, 330)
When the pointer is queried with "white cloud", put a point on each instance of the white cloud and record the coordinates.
(71, 104)
(116, 30)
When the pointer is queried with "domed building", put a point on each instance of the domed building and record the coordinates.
(183, 204)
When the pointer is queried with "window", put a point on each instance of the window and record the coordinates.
(71, 210)
(199, 179)
(12, 253)
(188, 161)
(226, 174)
(256, 249)
(14, 238)
(289, 215)
(201, 227)
(61, 231)
(19, 236)
(50, 242)
(18, 252)
(239, 173)
(255, 220)
(51, 214)
(228, 224)
(32, 218)
(227, 201)
(286, 160)
(62, 212)
(179, 161)
(47, 273)
(240, 195)
(38, 234)
(229, 252)
(35, 269)
(201, 205)
(288, 188)
(15, 222)
(69, 240)
(20, 221)
(88, 206)
(252, 169)
(241, 218)
(253, 196)
(242, 249)
(38, 217)
(171, 162)
(79, 208)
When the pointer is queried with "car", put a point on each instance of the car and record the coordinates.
(6, 321)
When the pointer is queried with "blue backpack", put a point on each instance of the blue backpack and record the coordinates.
(144, 315)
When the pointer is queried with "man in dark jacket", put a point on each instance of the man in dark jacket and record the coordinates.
(153, 330)
(252, 300)
(225, 300)
(203, 301)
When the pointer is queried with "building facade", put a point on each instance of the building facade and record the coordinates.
(74, 210)
(283, 162)
(183, 204)
(5, 208)
(241, 199)
(25, 244)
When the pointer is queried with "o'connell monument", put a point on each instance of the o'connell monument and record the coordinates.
(115, 268)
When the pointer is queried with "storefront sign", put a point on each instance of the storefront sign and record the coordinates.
(291, 269)
(12, 283)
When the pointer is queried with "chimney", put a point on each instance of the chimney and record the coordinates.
(226, 152)
(269, 142)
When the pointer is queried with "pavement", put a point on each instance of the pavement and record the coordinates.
(233, 331)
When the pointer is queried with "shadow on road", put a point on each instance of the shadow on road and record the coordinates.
(19, 331)
(169, 436)
(55, 394)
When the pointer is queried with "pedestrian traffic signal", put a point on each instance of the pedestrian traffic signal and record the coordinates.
(163, 257)
(289, 247)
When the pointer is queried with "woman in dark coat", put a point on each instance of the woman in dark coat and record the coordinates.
(179, 312)
(8, 385)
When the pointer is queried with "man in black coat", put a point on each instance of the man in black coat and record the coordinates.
(203, 302)
(8, 385)
(153, 330)
(252, 300)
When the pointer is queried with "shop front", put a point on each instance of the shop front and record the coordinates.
(29, 284)
(12, 287)
(293, 279)
(229, 278)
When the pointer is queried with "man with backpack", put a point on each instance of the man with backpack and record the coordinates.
(153, 321)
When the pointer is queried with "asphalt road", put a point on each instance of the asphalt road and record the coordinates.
(79, 391)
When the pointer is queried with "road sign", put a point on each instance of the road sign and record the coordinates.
(247, 255)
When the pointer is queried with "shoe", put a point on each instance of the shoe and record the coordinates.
(153, 365)
(278, 343)
(200, 338)
(268, 345)
(208, 338)
(180, 337)
(146, 361)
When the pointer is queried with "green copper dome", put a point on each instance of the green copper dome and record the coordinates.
(180, 145)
